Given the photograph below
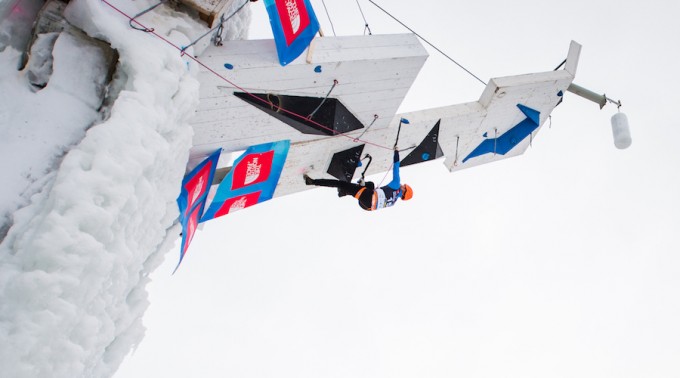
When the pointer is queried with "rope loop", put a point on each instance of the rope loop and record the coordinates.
(375, 118)
(335, 82)
(218, 27)
(143, 28)
(366, 27)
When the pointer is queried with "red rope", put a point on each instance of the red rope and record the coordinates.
(271, 104)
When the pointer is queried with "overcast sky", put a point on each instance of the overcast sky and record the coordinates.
(562, 262)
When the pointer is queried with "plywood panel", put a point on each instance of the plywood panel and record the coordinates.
(374, 74)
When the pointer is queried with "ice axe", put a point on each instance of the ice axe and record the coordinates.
(404, 121)
(363, 174)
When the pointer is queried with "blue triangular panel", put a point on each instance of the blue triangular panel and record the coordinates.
(533, 115)
(511, 138)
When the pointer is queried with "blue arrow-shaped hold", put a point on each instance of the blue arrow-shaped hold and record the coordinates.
(506, 142)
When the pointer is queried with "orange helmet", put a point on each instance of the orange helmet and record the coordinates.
(407, 193)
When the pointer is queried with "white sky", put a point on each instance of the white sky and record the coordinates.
(561, 262)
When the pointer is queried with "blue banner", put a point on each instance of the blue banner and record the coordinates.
(192, 198)
(252, 179)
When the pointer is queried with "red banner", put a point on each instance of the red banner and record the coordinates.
(294, 25)
(198, 185)
(237, 203)
(190, 230)
(253, 169)
(253, 179)
(192, 198)
(294, 18)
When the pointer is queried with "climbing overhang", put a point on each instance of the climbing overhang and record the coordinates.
(369, 77)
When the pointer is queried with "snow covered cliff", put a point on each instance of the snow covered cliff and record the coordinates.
(87, 208)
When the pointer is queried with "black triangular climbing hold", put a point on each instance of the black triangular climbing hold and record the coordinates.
(294, 110)
(345, 163)
(427, 150)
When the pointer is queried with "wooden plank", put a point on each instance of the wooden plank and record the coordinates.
(209, 10)
(253, 51)
(294, 83)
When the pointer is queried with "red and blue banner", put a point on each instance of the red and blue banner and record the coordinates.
(192, 199)
(294, 25)
(252, 179)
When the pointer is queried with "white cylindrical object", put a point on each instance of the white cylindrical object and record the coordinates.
(621, 131)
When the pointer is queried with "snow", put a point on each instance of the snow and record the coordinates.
(17, 18)
(88, 202)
